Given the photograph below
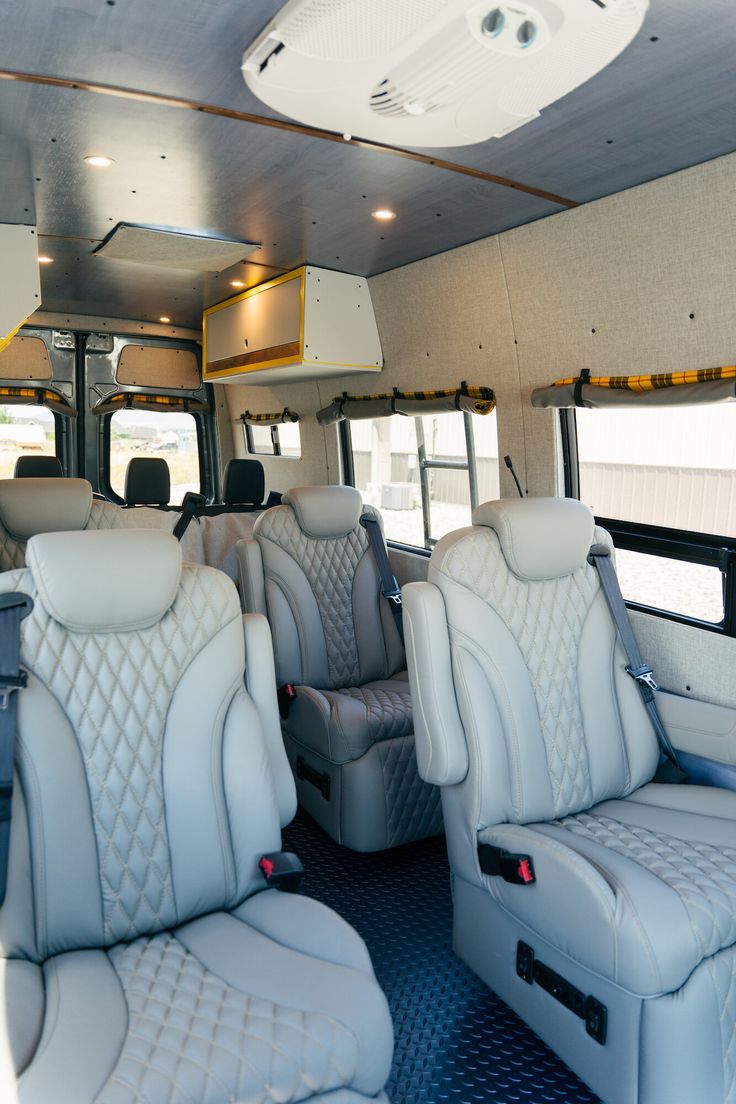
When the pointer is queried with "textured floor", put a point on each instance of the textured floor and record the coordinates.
(455, 1040)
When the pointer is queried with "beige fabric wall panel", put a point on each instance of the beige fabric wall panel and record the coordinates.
(611, 286)
(156, 366)
(25, 358)
(687, 660)
(319, 461)
(444, 320)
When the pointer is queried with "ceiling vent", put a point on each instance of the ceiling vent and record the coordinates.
(432, 72)
(173, 248)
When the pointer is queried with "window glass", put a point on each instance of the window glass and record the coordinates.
(388, 469)
(283, 439)
(674, 467)
(24, 431)
(259, 440)
(289, 439)
(171, 436)
(692, 590)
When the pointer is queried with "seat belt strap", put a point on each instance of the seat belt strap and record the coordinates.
(641, 672)
(390, 589)
(13, 608)
(192, 502)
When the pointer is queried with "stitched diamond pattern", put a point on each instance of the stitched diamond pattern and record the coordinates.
(546, 619)
(388, 711)
(722, 970)
(329, 566)
(191, 1037)
(116, 688)
(414, 807)
(704, 877)
(108, 515)
(12, 553)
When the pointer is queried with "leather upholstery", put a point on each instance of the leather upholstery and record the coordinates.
(140, 958)
(310, 567)
(147, 482)
(38, 467)
(46, 506)
(73, 573)
(65, 505)
(244, 483)
(525, 715)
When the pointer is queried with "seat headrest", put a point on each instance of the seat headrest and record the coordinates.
(44, 506)
(244, 483)
(147, 482)
(38, 467)
(325, 511)
(109, 580)
(541, 538)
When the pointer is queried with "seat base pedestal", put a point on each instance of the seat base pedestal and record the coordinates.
(375, 802)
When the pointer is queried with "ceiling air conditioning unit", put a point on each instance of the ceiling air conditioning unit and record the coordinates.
(432, 72)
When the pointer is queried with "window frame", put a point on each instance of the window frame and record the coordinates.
(425, 464)
(672, 543)
(202, 458)
(275, 441)
(61, 433)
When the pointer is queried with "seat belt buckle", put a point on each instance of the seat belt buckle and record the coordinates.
(282, 870)
(9, 684)
(515, 868)
(644, 675)
(285, 695)
(394, 596)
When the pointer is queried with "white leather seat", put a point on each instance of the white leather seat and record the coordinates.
(142, 959)
(58, 505)
(349, 731)
(540, 741)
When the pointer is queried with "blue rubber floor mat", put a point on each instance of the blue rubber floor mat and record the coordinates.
(455, 1040)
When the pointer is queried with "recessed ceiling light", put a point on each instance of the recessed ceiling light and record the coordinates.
(383, 214)
(99, 161)
(237, 283)
(164, 318)
(45, 260)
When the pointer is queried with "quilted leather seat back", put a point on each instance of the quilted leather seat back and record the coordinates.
(146, 791)
(331, 627)
(552, 721)
(57, 504)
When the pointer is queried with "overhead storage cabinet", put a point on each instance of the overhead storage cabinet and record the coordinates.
(309, 324)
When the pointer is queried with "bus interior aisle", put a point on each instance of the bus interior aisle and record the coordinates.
(454, 1039)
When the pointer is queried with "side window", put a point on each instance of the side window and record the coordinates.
(425, 474)
(171, 436)
(24, 431)
(276, 440)
(659, 478)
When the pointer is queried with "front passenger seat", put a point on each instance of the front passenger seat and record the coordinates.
(142, 958)
(349, 729)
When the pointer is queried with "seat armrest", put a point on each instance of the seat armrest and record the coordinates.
(260, 682)
(442, 753)
(252, 579)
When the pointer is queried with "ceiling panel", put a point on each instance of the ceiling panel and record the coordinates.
(303, 199)
(662, 105)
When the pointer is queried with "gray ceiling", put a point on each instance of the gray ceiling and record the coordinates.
(661, 106)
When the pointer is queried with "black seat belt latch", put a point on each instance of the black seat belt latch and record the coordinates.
(285, 695)
(282, 870)
(515, 868)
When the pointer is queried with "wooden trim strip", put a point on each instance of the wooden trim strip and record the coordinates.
(275, 352)
(282, 124)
